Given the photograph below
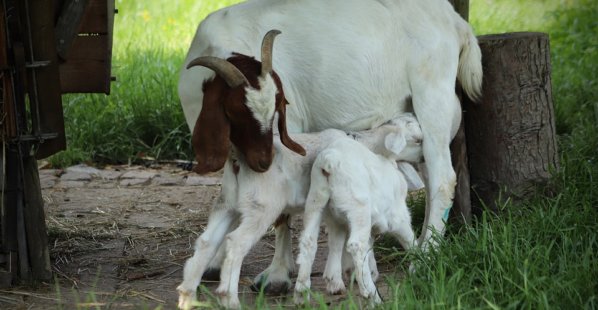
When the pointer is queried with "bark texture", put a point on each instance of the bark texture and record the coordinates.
(511, 138)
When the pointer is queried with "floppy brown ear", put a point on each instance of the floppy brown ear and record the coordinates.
(210, 139)
(282, 129)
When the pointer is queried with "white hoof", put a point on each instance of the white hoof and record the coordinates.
(227, 300)
(301, 294)
(335, 286)
(186, 298)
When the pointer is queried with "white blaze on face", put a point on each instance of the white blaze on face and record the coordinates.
(262, 102)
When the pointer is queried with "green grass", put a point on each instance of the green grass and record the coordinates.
(541, 253)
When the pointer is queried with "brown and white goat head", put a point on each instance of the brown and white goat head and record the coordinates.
(239, 106)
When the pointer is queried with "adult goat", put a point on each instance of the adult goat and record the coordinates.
(346, 64)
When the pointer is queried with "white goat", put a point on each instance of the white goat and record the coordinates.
(346, 64)
(255, 200)
(354, 190)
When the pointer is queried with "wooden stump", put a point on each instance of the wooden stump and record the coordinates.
(511, 138)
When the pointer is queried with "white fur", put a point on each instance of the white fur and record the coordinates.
(262, 102)
(252, 201)
(353, 65)
(362, 190)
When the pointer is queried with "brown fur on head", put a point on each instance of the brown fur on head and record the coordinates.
(225, 118)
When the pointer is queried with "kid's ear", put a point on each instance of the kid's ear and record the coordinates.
(395, 143)
(414, 181)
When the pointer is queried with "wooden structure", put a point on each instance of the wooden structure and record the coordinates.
(46, 48)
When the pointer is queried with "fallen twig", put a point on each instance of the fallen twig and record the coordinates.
(10, 300)
(143, 275)
(91, 304)
(29, 294)
(137, 293)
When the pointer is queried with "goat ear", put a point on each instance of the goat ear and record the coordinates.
(282, 129)
(395, 143)
(210, 139)
(414, 181)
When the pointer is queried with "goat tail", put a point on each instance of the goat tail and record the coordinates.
(470, 64)
(329, 161)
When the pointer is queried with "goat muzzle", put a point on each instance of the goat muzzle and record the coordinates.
(260, 161)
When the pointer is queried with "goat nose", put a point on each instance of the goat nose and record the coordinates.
(264, 164)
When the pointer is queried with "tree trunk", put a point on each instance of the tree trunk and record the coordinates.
(462, 201)
(511, 138)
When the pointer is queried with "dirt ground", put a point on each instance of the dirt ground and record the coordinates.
(119, 237)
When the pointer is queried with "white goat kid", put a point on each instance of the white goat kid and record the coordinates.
(362, 190)
(251, 202)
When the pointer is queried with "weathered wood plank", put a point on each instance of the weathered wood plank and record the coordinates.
(95, 18)
(111, 12)
(84, 76)
(82, 72)
(511, 135)
(8, 124)
(8, 243)
(89, 48)
(68, 24)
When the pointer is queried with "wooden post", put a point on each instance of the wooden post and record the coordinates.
(44, 80)
(511, 137)
(35, 222)
(462, 201)
(462, 7)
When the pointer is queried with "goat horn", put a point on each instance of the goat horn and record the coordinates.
(267, 44)
(223, 68)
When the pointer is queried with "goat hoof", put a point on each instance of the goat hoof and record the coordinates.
(301, 298)
(186, 298)
(212, 274)
(272, 288)
(335, 287)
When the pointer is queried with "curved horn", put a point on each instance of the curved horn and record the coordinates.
(223, 68)
(267, 44)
